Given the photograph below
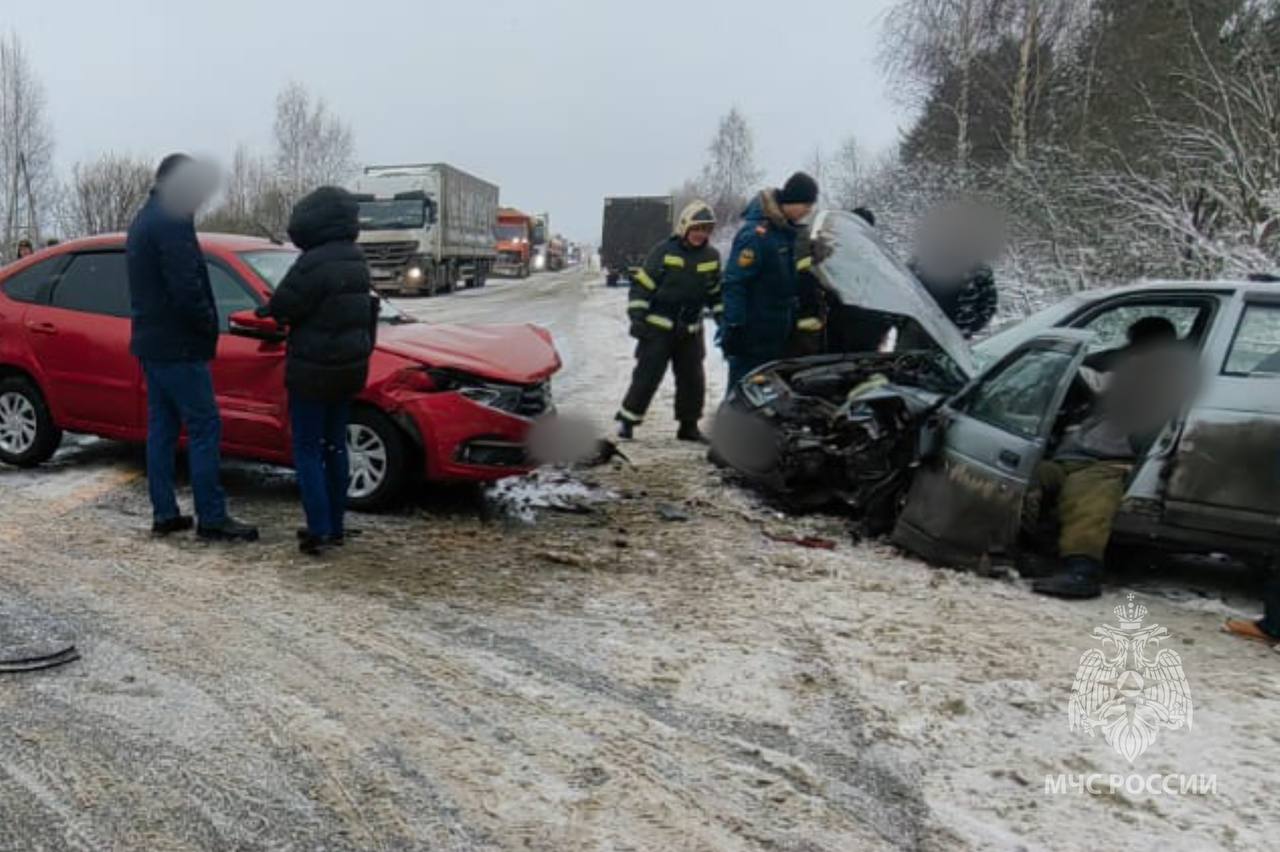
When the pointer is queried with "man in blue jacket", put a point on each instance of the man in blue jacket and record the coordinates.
(175, 336)
(760, 278)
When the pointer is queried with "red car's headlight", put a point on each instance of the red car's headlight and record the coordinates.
(413, 379)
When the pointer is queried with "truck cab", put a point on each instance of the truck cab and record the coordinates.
(425, 227)
(548, 249)
(514, 233)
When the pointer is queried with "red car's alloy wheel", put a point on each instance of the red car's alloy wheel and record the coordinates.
(18, 423)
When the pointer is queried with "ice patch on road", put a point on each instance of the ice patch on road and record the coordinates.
(547, 489)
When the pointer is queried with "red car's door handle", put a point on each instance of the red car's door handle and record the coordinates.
(43, 327)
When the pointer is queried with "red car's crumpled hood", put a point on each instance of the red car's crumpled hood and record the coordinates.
(517, 354)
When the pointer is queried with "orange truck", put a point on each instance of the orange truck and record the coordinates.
(514, 233)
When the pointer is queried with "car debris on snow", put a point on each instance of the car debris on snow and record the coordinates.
(550, 489)
(672, 513)
(32, 641)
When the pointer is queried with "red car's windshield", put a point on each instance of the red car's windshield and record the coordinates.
(272, 264)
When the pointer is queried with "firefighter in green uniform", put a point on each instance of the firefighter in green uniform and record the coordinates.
(678, 282)
(809, 335)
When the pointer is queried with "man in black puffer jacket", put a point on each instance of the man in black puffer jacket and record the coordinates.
(327, 302)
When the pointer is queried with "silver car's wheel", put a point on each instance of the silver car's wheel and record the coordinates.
(368, 454)
(18, 423)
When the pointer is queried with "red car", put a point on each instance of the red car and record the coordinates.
(443, 402)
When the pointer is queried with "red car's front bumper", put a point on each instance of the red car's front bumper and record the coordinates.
(462, 440)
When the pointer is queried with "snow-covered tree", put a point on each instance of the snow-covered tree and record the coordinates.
(730, 174)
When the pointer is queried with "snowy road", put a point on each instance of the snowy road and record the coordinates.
(600, 681)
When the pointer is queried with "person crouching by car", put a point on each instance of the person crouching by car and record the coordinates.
(326, 300)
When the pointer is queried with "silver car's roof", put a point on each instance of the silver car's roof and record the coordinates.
(864, 273)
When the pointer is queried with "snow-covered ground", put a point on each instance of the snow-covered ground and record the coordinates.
(653, 669)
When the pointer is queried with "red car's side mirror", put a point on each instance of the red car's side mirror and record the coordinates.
(249, 324)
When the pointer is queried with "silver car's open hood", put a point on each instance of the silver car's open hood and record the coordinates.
(861, 271)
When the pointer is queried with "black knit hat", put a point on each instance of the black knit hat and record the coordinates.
(799, 189)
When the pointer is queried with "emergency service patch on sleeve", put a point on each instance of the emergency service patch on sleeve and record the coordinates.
(746, 257)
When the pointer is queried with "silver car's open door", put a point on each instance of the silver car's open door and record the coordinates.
(965, 502)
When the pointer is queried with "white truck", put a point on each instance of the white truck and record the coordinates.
(425, 227)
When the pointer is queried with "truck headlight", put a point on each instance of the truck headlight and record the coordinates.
(413, 273)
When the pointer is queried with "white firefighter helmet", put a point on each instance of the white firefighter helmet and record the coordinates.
(695, 213)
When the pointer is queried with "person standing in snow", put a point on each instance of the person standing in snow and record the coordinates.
(761, 281)
(174, 337)
(678, 282)
(326, 300)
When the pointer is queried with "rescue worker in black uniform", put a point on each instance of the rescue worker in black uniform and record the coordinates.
(678, 282)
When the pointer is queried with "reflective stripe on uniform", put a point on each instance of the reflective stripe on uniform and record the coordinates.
(673, 260)
(709, 266)
(638, 304)
(804, 263)
(642, 278)
(809, 324)
(694, 328)
(718, 309)
(660, 322)
(630, 415)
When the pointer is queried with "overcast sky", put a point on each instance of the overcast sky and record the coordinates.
(559, 102)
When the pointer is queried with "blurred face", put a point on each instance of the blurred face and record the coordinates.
(24, 250)
(796, 212)
(698, 235)
(184, 190)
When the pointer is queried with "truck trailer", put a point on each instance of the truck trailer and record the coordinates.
(633, 225)
(424, 227)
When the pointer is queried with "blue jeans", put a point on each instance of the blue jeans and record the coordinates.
(180, 393)
(320, 457)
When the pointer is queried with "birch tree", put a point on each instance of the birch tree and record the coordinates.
(730, 174)
(313, 147)
(27, 182)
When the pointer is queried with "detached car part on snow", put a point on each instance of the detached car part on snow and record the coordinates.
(942, 445)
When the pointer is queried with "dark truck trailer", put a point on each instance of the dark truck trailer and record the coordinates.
(632, 227)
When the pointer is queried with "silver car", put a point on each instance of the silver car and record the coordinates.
(1210, 482)
(942, 446)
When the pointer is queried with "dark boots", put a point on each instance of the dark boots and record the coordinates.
(690, 432)
(1079, 579)
(228, 530)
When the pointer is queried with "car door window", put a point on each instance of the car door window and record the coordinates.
(95, 283)
(31, 284)
(229, 294)
(1111, 326)
(1256, 349)
(1019, 395)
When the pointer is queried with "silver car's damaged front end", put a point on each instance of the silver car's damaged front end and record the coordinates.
(845, 428)
(834, 428)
